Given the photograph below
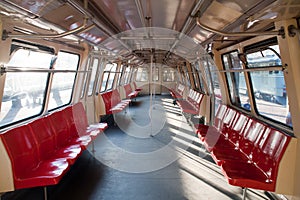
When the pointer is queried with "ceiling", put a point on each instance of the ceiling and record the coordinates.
(137, 29)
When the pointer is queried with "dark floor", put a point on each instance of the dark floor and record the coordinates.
(141, 158)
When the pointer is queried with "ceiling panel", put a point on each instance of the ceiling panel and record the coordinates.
(122, 14)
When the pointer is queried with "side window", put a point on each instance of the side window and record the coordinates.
(85, 78)
(104, 81)
(268, 83)
(155, 76)
(236, 80)
(63, 83)
(186, 75)
(108, 77)
(142, 74)
(169, 74)
(111, 76)
(93, 76)
(126, 78)
(120, 75)
(24, 92)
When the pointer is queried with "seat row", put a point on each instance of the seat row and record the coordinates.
(113, 102)
(41, 152)
(248, 151)
(130, 93)
(177, 92)
(192, 103)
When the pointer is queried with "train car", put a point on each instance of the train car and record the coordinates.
(147, 99)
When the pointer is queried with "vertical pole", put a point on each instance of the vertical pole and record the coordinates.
(45, 193)
(93, 148)
(244, 193)
(151, 93)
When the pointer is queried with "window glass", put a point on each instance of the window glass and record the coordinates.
(120, 75)
(269, 85)
(236, 80)
(212, 74)
(99, 74)
(111, 76)
(155, 76)
(186, 76)
(169, 74)
(24, 92)
(93, 76)
(142, 74)
(127, 77)
(182, 75)
(85, 78)
(196, 78)
(104, 81)
(62, 84)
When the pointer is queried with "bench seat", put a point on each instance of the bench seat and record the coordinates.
(130, 93)
(30, 168)
(42, 151)
(248, 151)
(113, 102)
(192, 103)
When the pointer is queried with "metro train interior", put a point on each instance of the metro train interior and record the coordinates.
(148, 99)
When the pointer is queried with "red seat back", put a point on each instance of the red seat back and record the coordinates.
(22, 149)
(271, 148)
(44, 136)
(60, 128)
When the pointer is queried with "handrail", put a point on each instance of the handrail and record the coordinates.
(81, 28)
(239, 34)
(5, 69)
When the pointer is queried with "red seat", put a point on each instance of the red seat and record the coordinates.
(216, 136)
(230, 146)
(136, 88)
(29, 170)
(45, 138)
(113, 102)
(192, 103)
(78, 132)
(80, 122)
(261, 171)
(177, 92)
(62, 133)
(130, 94)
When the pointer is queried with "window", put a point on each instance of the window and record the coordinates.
(111, 77)
(236, 80)
(155, 75)
(198, 74)
(85, 78)
(100, 69)
(210, 73)
(186, 76)
(108, 77)
(128, 74)
(93, 76)
(104, 81)
(142, 74)
(24, 92)
(62, 84)
(120, 74)
(268, 83)
(169, 74)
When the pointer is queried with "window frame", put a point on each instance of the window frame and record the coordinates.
(15, 46)
(74, 83)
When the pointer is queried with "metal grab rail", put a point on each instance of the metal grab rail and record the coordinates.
(239, 34)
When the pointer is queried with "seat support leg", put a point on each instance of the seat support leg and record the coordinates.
(45, 193)
(93, 148)
(244, 193)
